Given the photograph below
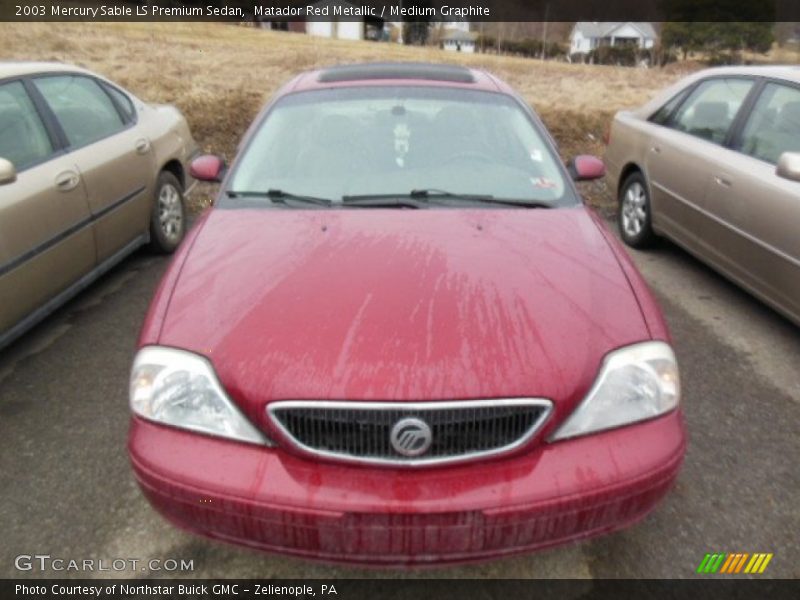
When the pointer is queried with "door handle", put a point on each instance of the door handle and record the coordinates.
(142, 146)
(67, 181)
(722, 181)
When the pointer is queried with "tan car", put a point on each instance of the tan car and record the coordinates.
(88, 173)
(713, 163)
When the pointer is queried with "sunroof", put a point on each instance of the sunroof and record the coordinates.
(397, 71)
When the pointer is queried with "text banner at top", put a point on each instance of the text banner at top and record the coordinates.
(402, 10)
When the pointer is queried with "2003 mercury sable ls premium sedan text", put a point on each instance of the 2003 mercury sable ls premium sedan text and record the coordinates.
(400, 338)
(88, 173)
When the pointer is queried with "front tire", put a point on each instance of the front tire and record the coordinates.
(168, 218)
(635, 217)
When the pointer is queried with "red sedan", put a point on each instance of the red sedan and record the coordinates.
(399, 337)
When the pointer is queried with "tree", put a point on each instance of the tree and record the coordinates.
(417, 21)
(416, 32)
(682, 36)
(718, 38)
(718, 26)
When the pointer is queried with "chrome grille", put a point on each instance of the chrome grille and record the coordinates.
(360, 431)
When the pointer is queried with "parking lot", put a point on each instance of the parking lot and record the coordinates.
(67, 489)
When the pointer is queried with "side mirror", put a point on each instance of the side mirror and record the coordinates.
(789, 166)
(208, 167)
(586, 167)
(8, 174)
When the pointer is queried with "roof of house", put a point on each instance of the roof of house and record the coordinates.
(603, 29)
(457, 35)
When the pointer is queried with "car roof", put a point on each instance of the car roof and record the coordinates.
(787, 72)
(396, 74)
(790, 73)
(18, 68)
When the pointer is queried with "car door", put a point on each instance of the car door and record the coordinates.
(46, 238)
(756, 237)
(678, 159)
(114, 159)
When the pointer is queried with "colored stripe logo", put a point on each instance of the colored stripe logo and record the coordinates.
(735, 562)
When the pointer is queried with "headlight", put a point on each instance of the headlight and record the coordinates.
(635, 383)
(179, 388)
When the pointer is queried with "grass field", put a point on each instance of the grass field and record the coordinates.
(219, 75)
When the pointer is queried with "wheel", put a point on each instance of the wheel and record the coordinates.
(635, 224)
(168, 218)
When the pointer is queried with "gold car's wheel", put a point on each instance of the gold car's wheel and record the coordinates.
(634, 212)
(168, 220)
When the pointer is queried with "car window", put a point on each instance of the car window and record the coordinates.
(84, 110)
(361, 141)
(23, 137)
(661, 116)
(773, 126)
(711, 108)
(123, 101)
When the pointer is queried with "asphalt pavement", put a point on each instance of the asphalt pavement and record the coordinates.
(67, 489)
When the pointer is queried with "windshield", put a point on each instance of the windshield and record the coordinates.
(370, 141)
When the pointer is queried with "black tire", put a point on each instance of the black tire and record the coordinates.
(634, 216)
(168, 217)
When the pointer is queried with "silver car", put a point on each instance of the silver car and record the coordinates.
(88, 173)
(713, 163)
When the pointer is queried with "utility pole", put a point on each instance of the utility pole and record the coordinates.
(402, 25)
(544, 33)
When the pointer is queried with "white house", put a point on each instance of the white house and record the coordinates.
(458, 40)
(341, 30)
(460, 25)
(586, 36)
(330, 26)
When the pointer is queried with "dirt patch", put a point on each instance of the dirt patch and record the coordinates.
(583, 132)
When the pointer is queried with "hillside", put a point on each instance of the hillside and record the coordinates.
(220, 74)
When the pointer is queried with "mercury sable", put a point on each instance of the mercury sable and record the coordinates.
(399, 337)
(713, 163)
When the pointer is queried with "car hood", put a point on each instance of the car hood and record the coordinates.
(402, 305)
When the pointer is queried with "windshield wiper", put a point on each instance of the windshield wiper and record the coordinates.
(416, 198)
(487, 198)
(382, 201)
(281, 196)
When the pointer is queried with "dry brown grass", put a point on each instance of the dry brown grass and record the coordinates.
(786, 55)
(219, 74)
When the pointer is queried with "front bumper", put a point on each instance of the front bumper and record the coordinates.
(269, 499)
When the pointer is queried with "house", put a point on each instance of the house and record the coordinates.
(587, 36)
(460, 25)
(330, 26)
(458, 40)
(340, 30)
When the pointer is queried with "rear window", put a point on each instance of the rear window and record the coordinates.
(774, 124)
(85, 112)
(123, 102)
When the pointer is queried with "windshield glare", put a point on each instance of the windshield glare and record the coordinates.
(392, 140)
